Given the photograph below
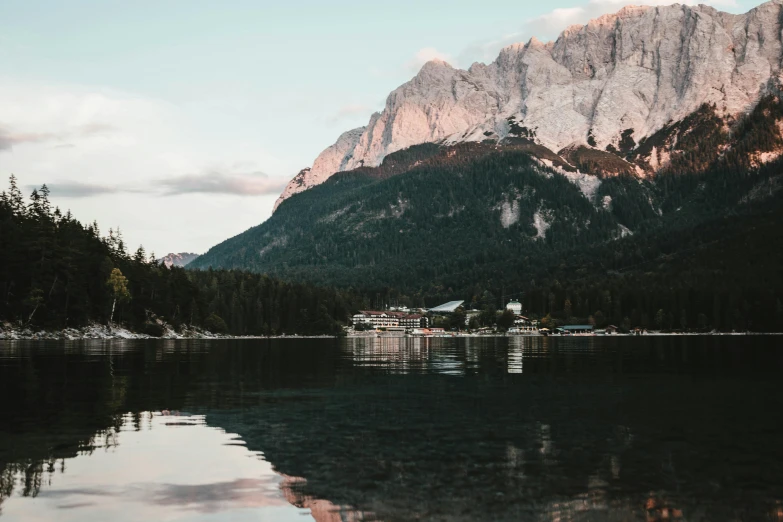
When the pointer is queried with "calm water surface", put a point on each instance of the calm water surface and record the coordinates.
(582, 429)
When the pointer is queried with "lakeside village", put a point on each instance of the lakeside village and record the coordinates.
(451, 320)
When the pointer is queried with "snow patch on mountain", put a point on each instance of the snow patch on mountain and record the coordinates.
(542, 220)
(587, 183)
(509, 213)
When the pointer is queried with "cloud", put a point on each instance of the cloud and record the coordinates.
(212, 181)
(79, 189)
(425, 55)
(10, 138)
(412, 66)
(550, 25)
(76, 189)
(350, 111)
(486, 51)
(96, 129)
(216, 182)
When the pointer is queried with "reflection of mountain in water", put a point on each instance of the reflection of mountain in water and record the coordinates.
(576, 429)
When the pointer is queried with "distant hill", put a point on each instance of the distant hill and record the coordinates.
(181, 259)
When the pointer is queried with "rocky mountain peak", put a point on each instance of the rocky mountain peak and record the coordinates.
(603, 86)
(181, 259)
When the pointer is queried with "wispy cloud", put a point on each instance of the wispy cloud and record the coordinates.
(9, 138)
(217, 182)
(76, 189)
(552, 23)
(208, 182)
(350, 111)
(67, 188)
(95, 129)
(425, 55)
(486, 51)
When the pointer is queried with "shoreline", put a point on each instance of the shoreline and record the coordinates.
(97, 332)
(512, 336)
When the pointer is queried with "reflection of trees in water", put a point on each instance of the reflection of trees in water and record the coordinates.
(73, 400)
(387, 427)
(26, 477)
(68, 401)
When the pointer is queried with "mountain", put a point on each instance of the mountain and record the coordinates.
(674, 216)
(435, 222)
(180, 259)
(603, 87)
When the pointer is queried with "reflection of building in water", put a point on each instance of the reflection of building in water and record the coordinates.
(552, 444)
(515, 362)
(407, 354)
(521, 348)
(395, 354)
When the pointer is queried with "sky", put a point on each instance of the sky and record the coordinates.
(181, 121)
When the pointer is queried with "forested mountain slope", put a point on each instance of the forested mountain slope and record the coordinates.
(463, 221)
(486, 219)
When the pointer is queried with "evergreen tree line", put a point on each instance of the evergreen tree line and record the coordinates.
(56, 273)
(695, 247)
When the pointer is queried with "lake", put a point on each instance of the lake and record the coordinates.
(493, 429)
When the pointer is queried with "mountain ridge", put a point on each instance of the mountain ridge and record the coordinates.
(613, 82)
(177, 259)
(441, 221)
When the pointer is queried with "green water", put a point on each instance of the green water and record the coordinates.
(558, 429)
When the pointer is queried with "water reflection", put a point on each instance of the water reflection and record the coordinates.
(159, 466)
(393, 429)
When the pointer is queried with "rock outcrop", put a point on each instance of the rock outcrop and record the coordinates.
(605, 85)
(336, 158)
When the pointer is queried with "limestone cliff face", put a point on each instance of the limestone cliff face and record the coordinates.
(334, 159)
(619, 78)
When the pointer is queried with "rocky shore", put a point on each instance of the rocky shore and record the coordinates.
(99, 331)
(10, 332)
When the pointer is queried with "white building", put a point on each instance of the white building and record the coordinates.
(515, 307)
(414, 321)
(390, 319)
(376, 319)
